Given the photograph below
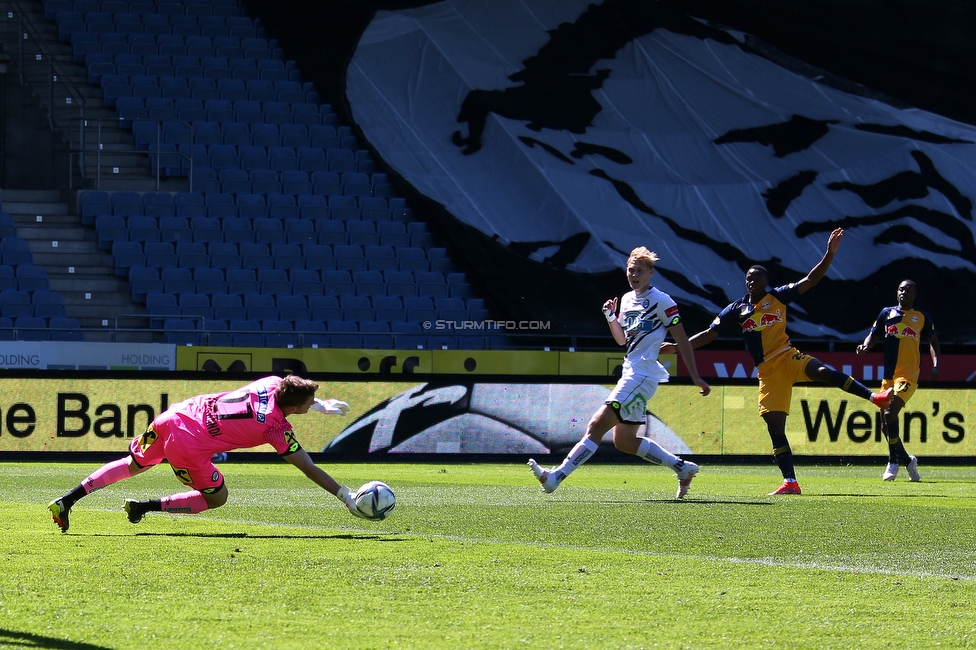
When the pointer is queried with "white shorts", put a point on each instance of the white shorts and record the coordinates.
(630, 396)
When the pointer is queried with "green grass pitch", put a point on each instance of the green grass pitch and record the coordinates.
(476, 556)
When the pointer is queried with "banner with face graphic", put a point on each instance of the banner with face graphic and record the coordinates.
(568, 132)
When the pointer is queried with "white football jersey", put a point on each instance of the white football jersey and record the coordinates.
(645, 320)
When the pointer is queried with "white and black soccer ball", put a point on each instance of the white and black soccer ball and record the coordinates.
(375, 500)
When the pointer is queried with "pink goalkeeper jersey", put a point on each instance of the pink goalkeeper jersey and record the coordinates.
(240, 419)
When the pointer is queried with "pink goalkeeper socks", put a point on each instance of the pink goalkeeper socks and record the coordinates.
(187, 502)
(106, 475)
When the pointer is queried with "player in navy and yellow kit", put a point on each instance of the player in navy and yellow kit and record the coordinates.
(760, 318)
(902, 328)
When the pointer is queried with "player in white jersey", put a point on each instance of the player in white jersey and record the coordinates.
(646, 316)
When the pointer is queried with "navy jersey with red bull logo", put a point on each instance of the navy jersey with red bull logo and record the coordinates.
(902, 332)
(761, 324)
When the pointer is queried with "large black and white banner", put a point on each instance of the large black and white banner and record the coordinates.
(571, 132)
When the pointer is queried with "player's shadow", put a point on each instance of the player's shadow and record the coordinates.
(704, 502)
(10, 638)
(917, 495)
(709, 502)
(347, 536)
(387, 537)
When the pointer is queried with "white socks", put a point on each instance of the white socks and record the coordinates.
(655, 453)
(579, 454)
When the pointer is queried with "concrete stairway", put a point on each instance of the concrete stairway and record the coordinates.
(77, 267)
(103, 153)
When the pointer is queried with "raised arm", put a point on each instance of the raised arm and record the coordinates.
(610, 312)
(699, 340)
(818, 271)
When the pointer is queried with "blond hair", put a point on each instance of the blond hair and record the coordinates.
(641, 254)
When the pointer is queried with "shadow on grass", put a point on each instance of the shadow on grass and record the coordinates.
(690, 502)
(27, 640)
(349, 536)
(920, 495)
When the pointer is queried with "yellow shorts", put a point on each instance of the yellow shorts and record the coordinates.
(776, 379)
(904, 388)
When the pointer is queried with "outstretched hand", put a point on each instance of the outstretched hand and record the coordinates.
(705, 388)
(833, 241)
(330, 406)
(348, 497)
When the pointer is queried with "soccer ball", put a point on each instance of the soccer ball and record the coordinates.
(375, 500)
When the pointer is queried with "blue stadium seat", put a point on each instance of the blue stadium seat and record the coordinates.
(227, 307)
(224, 255)
(376, 336)
(305, 282)
(408, 335)
(31, 277)
(246, 333)
(209, 280)
(65, 329)
(279, 333)
(344, 334)
(242, 281)
(47, 304)
(292, 307)
(324, 308)
(31, 328)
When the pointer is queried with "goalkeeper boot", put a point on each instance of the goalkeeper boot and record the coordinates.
(59, 512)
(788, 487)
(912, 468)
(687, 472)
(134, 510)
(550, 480)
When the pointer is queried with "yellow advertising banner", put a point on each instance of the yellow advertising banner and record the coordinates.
(466, 415)
(105, 414)
(406, 362)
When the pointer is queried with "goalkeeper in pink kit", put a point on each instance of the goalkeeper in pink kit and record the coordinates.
(189, 433)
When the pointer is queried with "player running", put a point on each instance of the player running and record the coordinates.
(902, 328)
(646, 315)
(760, 318)
(189, 433)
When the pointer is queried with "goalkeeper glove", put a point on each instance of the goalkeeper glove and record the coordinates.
(348, 498)
(330, 406)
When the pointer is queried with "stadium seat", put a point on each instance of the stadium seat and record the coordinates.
(209, 280)
(376, 336)
(227, 307)
(246, 333)
(305, 282)
(242, 281)
(279, 334)
(408, 335)
(31, 328)
(126, 254)
(63, 328)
